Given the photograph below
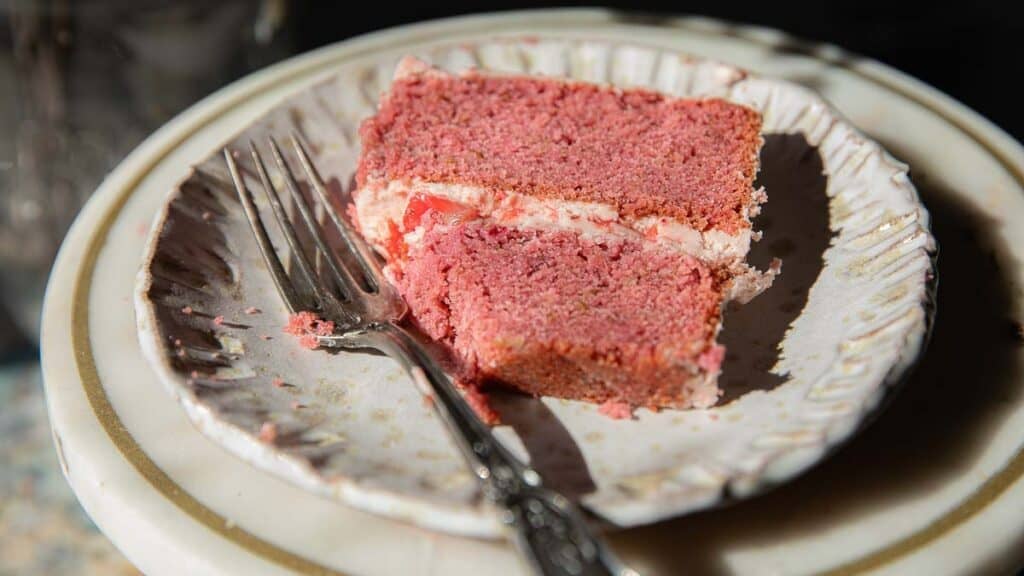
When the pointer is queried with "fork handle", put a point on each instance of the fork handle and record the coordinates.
(548, 529)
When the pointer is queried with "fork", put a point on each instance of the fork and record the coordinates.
(350, 290)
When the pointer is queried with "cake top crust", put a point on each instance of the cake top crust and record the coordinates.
(641, 152)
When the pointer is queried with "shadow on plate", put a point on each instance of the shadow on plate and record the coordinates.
(552, 450)
(795, 226)
(930, 434)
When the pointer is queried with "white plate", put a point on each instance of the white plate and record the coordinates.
(807, 361)
(162, 491)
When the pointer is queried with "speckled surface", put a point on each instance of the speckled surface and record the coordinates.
(43, 529)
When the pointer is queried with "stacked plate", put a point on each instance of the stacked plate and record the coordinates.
(369, 483)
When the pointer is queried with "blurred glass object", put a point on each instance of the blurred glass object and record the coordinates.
(81, 84)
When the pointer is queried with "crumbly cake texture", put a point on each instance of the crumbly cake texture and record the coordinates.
(562, 238)
(553, 313)
(638, 151)
(307, 326)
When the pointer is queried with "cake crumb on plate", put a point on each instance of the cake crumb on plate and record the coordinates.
(268, 432)
(616, 410)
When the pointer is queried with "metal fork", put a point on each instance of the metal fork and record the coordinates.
(351, 291)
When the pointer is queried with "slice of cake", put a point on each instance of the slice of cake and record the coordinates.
(564, 238)
(557, 313)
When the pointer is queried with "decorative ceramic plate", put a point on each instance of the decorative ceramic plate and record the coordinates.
(934, 486)
(808, 361)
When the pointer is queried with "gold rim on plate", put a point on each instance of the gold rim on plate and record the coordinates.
(162, 482)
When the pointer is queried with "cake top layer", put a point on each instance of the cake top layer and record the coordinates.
(556, 288)
(642, 152)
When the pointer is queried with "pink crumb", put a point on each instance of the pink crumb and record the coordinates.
(324, 328)
(307, 326)
(277, 383)
(207, 215)
(616, 410)
(300, 323)
(265, 337)
(187, 310)
(219, 320)
(268, 432)
(480, 404)
(711, 359)
(296, 405)
(253, 310)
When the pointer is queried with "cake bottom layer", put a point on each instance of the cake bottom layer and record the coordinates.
(555, 313)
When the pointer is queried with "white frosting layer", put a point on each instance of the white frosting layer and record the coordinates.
(378, 203)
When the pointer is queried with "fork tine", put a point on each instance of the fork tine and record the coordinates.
(305, 266)
(343, 278)
(372, 273)
(281, 280)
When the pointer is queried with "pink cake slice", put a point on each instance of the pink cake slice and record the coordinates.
(553, 313)
(639, 152)
(564, 238)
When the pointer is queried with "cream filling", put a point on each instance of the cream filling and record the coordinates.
(378, 204)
